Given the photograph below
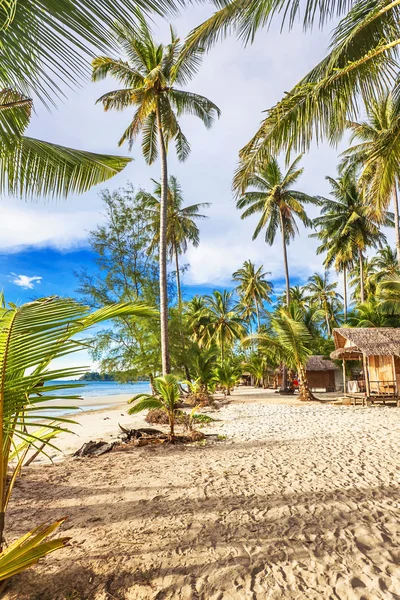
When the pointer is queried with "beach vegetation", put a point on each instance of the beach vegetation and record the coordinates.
(32, 337)
(227, 375)
(166, 398)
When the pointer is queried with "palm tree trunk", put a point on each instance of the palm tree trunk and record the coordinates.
(328, 327)
(178, 280)
(171, 428)
(285, 262)
(285, 259)
(258, 315)
(396, 221)
(163, 250)
(362, 293)
(178, 288)
(305, 394)
(345, 291)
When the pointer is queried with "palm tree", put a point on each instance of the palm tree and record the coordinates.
(339, 253)
(324, 295)
(166, 399)
(149, 78)
(197, 319)
(224, 325)
(181, 226)
(295, 341)
(253, 288)
(360, 63)
(347, 225)
(377, 151)
(369, 278)
(292, 340)
(257, 366)
(226, 375)
(202, 362)
(271, 194)
(385, 263)
(373, 314)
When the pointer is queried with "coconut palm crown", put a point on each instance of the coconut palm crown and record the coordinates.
(270, 192)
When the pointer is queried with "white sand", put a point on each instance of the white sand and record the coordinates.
(299, 502)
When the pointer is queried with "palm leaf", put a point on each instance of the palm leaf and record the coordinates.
(36, 168)
(27, 550)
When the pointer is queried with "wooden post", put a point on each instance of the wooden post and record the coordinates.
(366, 376)
(395, 390)
(344, 376)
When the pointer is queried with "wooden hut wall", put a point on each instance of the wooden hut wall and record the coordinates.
(381, 370)
(321, 379)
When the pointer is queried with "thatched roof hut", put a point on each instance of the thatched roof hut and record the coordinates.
(379, 350)
(322, 373)
(368, 341)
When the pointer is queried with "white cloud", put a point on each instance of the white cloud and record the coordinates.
(24, 281)
(25, 225)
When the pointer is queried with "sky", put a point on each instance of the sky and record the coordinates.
(43, 243)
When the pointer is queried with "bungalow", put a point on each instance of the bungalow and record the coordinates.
(378, 348)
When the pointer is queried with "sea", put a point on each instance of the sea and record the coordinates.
(93, 389)
(106, 391)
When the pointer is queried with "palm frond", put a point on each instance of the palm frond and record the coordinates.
(36, 168)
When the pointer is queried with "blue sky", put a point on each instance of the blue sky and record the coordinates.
(35, 272)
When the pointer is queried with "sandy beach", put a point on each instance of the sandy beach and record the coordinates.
(293, 501)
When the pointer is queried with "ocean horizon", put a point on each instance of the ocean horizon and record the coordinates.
(93, 389)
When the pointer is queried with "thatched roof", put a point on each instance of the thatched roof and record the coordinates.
(352, 343)
(319, 363)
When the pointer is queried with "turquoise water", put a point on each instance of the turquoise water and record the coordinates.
(91, 389)
(107, 390)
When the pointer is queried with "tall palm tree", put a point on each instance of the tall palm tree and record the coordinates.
(181, 226)
(370, 280)
(377, 151)
(149, 77)
(292, 340)
(323, 295)
(270, 192)
(225, 326)
(339, 253)
(253, 288)
(347, 225)
(360, 62)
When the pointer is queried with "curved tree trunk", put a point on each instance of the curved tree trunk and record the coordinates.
(305, 394)
(285, 259)
(345, 292)
(396, 221)
(163, 250)
(362, 292)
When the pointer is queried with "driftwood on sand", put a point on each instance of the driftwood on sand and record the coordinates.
(134, 437)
